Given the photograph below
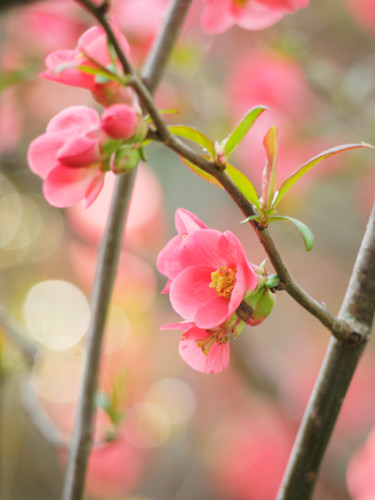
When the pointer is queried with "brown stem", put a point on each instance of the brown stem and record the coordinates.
(335, 376)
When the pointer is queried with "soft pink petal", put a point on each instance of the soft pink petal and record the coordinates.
(214, 313)
(182, 325)
(42, 153)
(189, 291)
(217, 16)
(74, 120)
(94, 189)
(80, 151)
(216, 360)
(256, 16)
(69, 76)
(201, 248)
(186, 222)
(167, 261)
(66, 186)
(230, 246)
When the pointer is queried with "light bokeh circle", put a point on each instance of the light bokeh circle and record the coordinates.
(56, 313)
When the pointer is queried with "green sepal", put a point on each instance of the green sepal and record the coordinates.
(194, 135)
(239, 133)
(305, 231)
(272, 280)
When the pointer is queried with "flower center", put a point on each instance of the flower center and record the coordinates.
(223, 280)
(241, 3)
(218, 335)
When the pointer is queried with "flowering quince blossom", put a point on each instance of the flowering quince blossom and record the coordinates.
(209, 279)
(74, 154)
(220, 15)
(91, 51)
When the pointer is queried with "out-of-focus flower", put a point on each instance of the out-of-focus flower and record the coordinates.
(256, 452)
(363, 12)
(145, 226)
(361, 471)
(220, 15)
(92, 52)
(73, 156)
(211, 276)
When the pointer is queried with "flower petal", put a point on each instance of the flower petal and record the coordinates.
(74, 120)
(66, 186)
(186, 222)
(42, 152)
(215, 361)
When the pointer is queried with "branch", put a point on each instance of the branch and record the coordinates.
(107, 267)
(335, 376)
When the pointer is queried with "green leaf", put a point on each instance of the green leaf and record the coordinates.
(251, 217)
(269, 179)
(243, 184)
(305, 231)
(98, 72)
(207, 177)
(194, 135)
(238, 134)
(292, 179)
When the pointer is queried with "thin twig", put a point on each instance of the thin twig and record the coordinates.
(335, 376)
(104, 280)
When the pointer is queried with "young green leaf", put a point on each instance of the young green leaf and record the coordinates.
(305, 231)
(200, 172)
(251, 217)
(269, 179)
(194, 135)
(292, 179)
(243, 184)
(238, 134)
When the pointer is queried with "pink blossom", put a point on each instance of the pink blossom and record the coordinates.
(220, 15)
(363, 12)
(205, 350)
(168, 259)
(209, 274)
(68, 157)
(91, 51)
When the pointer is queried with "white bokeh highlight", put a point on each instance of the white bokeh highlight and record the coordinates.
(56, 314)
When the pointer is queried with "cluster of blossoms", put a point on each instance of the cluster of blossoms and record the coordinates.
(214, 288)
(79, 146)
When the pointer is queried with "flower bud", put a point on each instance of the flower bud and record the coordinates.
(120, 121)
(262, 301)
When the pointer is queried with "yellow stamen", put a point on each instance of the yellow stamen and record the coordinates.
(223, 280)
(219, 336)
(241, 3)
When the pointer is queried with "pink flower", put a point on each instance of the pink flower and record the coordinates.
(91, 51)
(168, 259)
(206, 350)
(209, 274)
(70, 156)
(220, 15)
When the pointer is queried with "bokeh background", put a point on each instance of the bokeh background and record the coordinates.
(175, 433)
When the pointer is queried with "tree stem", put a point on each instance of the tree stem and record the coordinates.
(335, 376)
(107, 266)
